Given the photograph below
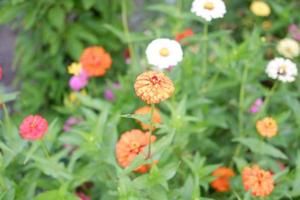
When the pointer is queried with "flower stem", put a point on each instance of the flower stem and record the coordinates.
(151, 128)
(241, 110)
(205, 47)
(45, 149)
(266, 101)
(127, 33)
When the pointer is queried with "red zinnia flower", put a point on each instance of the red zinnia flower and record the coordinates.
(222, 182)
(33, 127)
(186, 33)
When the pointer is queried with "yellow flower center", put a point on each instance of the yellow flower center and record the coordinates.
(164, 52)
(209, 6)
(33, 125)
(282, 70)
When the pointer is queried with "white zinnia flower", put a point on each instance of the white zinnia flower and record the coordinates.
(209, 9)
(164, 53)
(282, 69)
(288, 48)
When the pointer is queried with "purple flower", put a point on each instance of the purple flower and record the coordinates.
(256, 106)
(294, 32)
(109, 95)
(78, 82)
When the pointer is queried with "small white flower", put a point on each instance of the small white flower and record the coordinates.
(164, 53)
(288, 48)
(209, 9)
(282, 69)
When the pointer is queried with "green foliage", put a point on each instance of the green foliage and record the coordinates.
(205, 124)
(52, 34)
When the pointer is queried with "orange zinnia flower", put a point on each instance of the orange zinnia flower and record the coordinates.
(145, 110)
(222, 182)
(259, 181)
(267, 127)
(95, 61)
(186, 33)
(153, 87)
(130, 145)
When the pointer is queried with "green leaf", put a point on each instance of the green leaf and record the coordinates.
(8, 13)
(143, 118)
(56, 17)
(55, 195)
(8, 97)
(296, 183)
(51, 167)
(260, 147)
(87, 4)
(132, 37)
(240, 163)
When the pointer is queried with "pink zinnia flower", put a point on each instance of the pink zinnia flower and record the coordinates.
(0, 72)
(82, 196)
(78, 82)
(256, 106)
(109, 95)
(33, 127)
(294, 32)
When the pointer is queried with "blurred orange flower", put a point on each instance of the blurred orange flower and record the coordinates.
(259, 181)
(130, 145)
(153, 87)
(145, 110)
(186, 33)
(267, 127)
(222, 182)
(95, 61)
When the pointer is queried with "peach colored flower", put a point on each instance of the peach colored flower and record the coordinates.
(145, 110)
(33, 127)
(260, 8)
(267, 127)
(259, 181)
(131, 144)
(153, 87)
(222, 182)
(95, 61)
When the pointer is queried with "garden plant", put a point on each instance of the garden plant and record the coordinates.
(151, 100)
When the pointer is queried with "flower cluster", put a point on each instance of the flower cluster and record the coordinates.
(94, 62)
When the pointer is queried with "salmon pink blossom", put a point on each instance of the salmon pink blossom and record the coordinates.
(33, 127)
